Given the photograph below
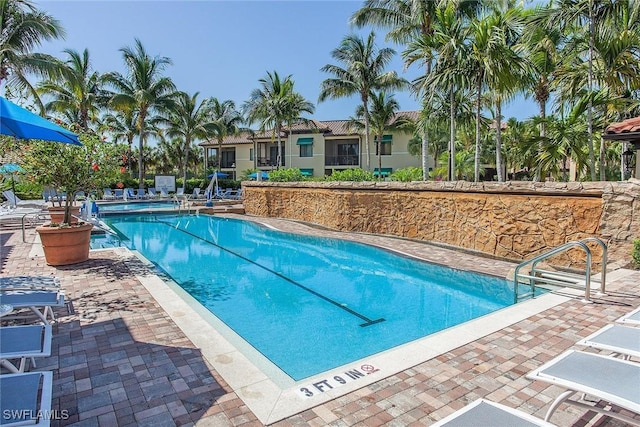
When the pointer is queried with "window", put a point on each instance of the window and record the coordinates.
(250, 153)
(385, 149)
(306, 151)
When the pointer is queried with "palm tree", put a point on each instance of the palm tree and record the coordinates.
(363, 73)
(409, 21)
(143, 89)
(123, 126)
(22, 28)
(77, 91)
(187, 122)
(225, 120)
(384, 118)
(275, 104)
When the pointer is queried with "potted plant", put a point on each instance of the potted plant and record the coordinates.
(70, 169)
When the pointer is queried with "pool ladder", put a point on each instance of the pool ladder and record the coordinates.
(538, 276)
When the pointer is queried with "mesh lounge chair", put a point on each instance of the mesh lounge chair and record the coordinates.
(129, 194)
(485, 413)
(32, 299)
(164, 193)
(632, 318)
(196, 193)
(23, 342)
(107, 194)
(152, 193)
(25, 399)
(621, 340)
(142, 194)
(118, 193)
(17, 202)
(29, 282)
(609, 379)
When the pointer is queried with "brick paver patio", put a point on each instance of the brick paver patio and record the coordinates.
(120, 360)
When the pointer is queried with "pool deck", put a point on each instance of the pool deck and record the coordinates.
(123, 357)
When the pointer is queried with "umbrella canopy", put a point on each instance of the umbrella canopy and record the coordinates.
(219, 175)
(23, 124)
(263, 175)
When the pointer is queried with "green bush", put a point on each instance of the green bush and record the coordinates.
(407, 174)
(351, 175)
(635, 254)
(286, 175)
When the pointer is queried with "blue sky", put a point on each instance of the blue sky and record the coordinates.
(222, 48)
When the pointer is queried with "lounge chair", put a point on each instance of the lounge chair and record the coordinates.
(621, 340)
(632, 318)
(142, 194)
(23, 342)
(611, 380)
(152, 193)
(196, 193)
(107, 194)
(129, 194)
(17, 202)
(33, 299)
(25, 398)
(486, 413)
(29, 283)
(164, 193)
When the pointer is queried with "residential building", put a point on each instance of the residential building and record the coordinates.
(316, 147)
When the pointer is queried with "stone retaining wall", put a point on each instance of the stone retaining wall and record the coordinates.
(512, 220)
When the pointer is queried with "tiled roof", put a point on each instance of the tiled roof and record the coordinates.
(326, 127)
(626, 126)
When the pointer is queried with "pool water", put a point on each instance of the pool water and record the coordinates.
(308, 304)
(135, 206)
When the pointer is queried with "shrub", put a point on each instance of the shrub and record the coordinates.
(286, 175)
(635, 254)
(407, 174)
(351, 175)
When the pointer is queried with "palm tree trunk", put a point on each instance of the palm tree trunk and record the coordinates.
(592, 160)
(187, 144)
(141, 118)
(366, 137)
(499, 141)
(279, 156)
(452, 136)
(476, 166)
(379, 157)
(425, 149)
(543, 131)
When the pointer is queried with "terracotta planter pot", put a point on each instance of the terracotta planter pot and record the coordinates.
(65, 245)
(57, 214)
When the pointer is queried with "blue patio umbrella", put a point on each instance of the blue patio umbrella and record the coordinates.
(23, 124)
(263, 175)
(11, 169)
(218, 174)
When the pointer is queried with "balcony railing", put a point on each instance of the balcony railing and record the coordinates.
(269, 161)
(341, 160)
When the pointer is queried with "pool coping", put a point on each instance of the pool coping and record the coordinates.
(272, 400)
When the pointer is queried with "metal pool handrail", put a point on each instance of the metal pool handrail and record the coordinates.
(562, 278)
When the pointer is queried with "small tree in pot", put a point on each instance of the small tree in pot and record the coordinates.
(70, 168)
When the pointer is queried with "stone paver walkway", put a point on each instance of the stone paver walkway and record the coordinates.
(119, 360)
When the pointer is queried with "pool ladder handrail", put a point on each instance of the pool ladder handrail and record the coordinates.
(560, 278)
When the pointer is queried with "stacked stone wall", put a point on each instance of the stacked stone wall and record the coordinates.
(513, 220)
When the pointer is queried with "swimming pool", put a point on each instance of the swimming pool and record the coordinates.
(308, 304)
(135, 206)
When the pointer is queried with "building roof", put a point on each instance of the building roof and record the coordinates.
(326, 127)
(628, 129)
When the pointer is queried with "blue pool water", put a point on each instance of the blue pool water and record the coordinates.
(308, 304)
(135, 206)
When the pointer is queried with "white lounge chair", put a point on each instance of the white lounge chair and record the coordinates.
(25, 398)
(152, 193)
(610, 379)
(118, 193)
(33, 300)
(621, 340)
(17, 202)
(164, 193)
(490, 414)
(23, 342)
(29, 282)
(631, 318)
(196, 193)
(142, 194)
(129, 194)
